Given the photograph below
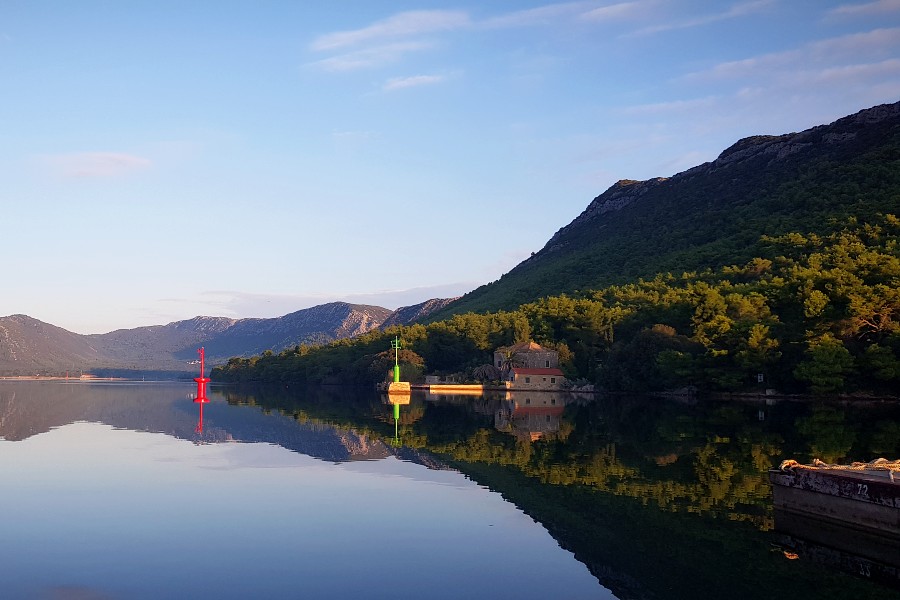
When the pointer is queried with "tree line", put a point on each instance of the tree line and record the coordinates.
(811, 313)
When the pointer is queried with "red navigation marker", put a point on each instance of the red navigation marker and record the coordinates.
(201, 381)
(201, 391)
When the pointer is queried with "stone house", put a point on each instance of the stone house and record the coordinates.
(520, 378)
(526, 355)
(529, 366)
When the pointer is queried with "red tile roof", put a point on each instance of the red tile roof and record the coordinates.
(553, 372)
(523, 347)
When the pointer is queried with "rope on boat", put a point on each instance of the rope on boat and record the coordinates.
(879, 464)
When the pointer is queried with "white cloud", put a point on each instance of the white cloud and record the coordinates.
(671, 106)
(878, 7)
(832, 50)
(849, 73)
(736, 10)
(402, 24)
(539, 15)
(97, 164)
(398, 83)
(366, 58)
(390, 39)
(614, 11)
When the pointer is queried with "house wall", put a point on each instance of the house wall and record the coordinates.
(531, 360)
(535, 382)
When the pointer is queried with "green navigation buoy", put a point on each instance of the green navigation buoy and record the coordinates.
(395, 344)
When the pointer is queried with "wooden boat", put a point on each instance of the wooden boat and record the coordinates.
(865, 496)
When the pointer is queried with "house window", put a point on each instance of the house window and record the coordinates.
(528, 380)
(553, 380)
(527, 400)
(543, 379)
(552, 400)
(547, 362)
(499, 363)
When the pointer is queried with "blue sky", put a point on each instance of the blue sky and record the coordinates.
(162, 160)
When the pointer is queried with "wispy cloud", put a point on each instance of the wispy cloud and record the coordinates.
(735, 11)
(675, 106)
(833, 50)
(391, 39)
(403, 24)
(375, 56)
(399, 83)
(879, 7)
(614, 11)
(539, 15)
(97, 164)
(849, 73)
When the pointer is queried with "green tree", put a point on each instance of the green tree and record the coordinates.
(826, 365)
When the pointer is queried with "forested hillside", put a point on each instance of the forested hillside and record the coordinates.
(812, 313)
(776, 266)
(715, 214)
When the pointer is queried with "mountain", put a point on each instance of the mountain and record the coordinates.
(29, 346)
(316, 325)
(714, 214)
(410, 314)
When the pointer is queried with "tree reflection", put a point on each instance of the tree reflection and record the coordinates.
(828, 434)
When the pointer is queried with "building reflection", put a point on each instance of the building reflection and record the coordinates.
(530, 416)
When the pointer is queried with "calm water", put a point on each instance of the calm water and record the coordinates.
(116, 491)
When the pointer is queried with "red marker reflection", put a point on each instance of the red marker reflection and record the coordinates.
(201, 398)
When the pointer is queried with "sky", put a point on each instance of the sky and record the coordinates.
(162, 160)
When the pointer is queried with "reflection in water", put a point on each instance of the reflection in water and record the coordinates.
(660, 499)
(102, 503)
(531, 415)
(832, 545)
(396, 400)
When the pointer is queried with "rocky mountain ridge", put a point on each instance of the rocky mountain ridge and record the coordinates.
(716, 213)
(29, 346)
(760, 151)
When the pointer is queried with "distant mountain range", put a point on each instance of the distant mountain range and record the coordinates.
(31, 347)
(713, 215)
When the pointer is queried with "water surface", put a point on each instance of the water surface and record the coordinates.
(116, 491)
(110, 492)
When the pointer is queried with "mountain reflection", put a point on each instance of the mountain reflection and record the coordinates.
(659, 498)
(27, 409)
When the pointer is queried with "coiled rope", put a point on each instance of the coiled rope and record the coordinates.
(879, 464)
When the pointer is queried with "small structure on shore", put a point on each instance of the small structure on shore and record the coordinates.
(397, 386)
(529, 366)
(527, 355)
